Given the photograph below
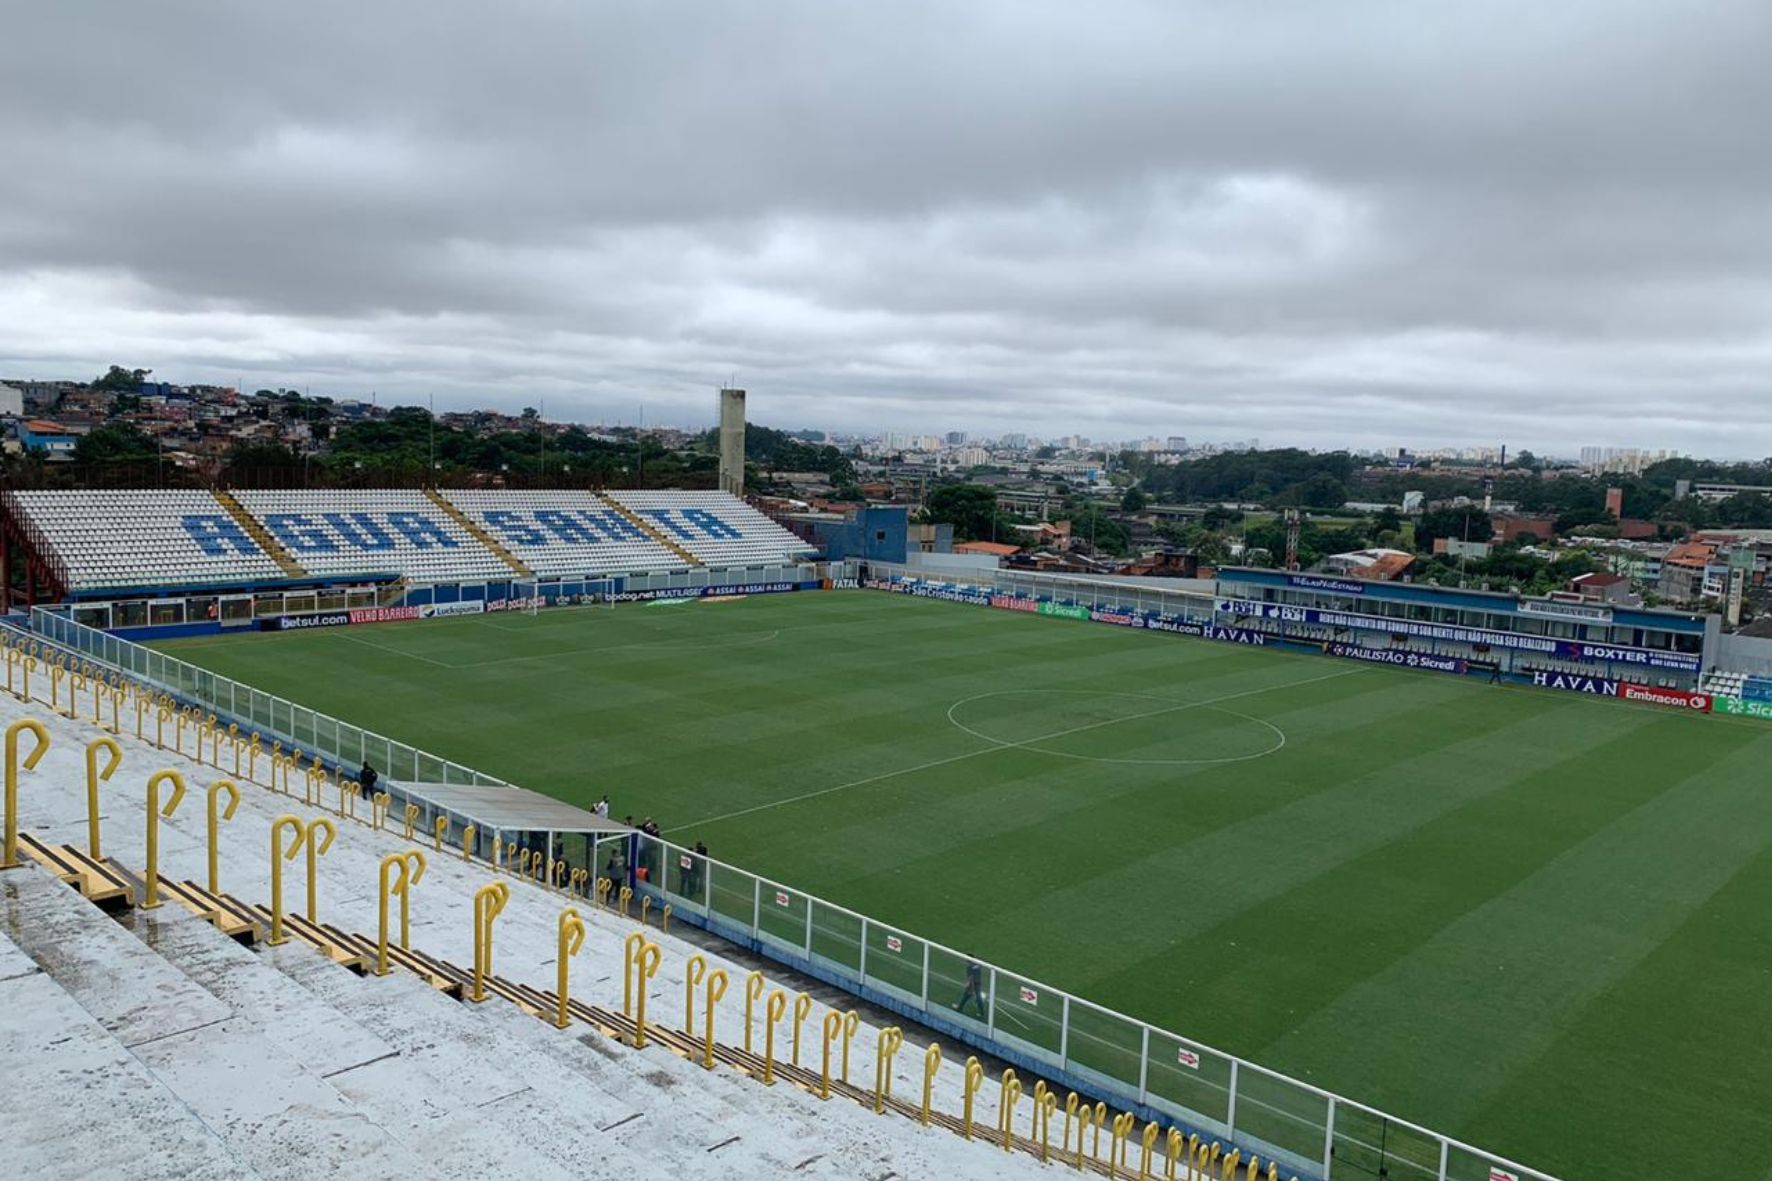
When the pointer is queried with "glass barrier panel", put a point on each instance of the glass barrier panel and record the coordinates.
(1367, 1145)
(781, 918)
(1281, 1119)
(836, 937)
(1032, 1015)
(1104, 1045)
(895, 960)
(732, 893)
(951, 986)
(1190, 1082)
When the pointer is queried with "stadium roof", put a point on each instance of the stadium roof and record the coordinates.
(506, 808)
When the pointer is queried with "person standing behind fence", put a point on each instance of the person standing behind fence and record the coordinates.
(974, 991)
(601, 808)
(366, 778)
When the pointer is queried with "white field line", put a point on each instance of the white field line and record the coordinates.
(972, 754)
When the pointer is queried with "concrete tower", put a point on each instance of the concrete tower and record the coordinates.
(732, 441)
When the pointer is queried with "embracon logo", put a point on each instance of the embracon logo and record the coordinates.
(1677, 698)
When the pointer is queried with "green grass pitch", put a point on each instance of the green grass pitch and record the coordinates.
(1539, 922)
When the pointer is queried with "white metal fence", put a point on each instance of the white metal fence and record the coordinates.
(1131, 1063)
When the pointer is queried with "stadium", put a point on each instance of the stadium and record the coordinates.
(1276, 875)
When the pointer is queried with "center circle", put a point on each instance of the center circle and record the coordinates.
(1106, 726)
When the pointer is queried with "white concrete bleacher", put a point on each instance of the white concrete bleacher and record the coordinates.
(143, 538)
(721, 530)
(565, 533)
(197, 1056)
(335, 532)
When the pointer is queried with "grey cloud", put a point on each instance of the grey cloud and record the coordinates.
(1337, 224)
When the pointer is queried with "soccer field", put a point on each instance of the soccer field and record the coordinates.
(1536, 921)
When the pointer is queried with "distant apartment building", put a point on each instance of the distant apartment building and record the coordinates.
(1631, 460)
(1708, 490)
(12, 402)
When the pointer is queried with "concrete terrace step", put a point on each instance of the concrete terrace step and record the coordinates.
(391, 1088)
(475, 1069)
(275, 1117)
(77, 1103)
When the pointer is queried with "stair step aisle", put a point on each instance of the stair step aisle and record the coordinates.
(272, 1115)
(476, 1069)
(70, 1082)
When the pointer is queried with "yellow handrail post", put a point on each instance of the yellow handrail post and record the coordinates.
(1048, 1107)
(1228, 1170)
(56, 672)
(1070, 1111)
(379, 803)
(693, 972)
(439, 830)
(498, 850)
(626, 896)
(931, 1064)
(572, 937)
(234, 741)
(489, 901)
(603, 885)
(629, 951)
(151, 876)
(891, 1038)
(1008, 1095)
(1123, 1125)
(218, 789)
(576, 884)
(411, 819)
(664, 919)
(1147, 1143)
(802, 1009)
(773, 1008)
(716, 988)
(415, 864)
(1172, 1146)
(394, 872)
(753, 989)
(645, 907)
(645, 968)
(468, 832)
(39, 746)
(833, 1025)
(180, 719)
(93, 778)
(1034, 1116)
(316, 847)
(278, 827)
(252, 749)
(851, 1023)
(161, 713)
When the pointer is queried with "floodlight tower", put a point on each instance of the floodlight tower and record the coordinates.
(1294, 524)
(732, 441)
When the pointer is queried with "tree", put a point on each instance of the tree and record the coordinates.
(115, 444)
(1469, 523)
(970, 508)
(120, 380)
(1134, 501)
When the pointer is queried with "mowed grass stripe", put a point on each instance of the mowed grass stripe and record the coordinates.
(1667, 1038)
(1525, 962)
(1440, 896)
(1239, 848)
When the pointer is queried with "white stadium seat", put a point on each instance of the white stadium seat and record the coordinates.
(144, 538)
(719, 529)
(378, 531)
(565, 534)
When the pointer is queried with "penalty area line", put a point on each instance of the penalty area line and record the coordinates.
(999, 745)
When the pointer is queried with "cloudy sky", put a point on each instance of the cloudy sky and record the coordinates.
(1363, 222)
